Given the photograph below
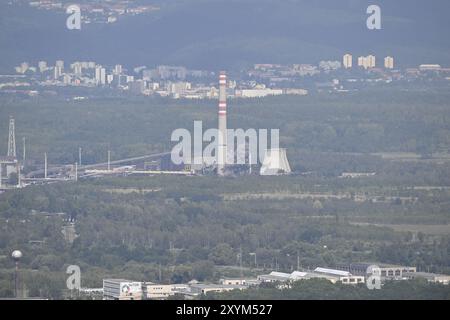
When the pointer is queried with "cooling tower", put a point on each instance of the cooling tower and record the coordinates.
(275, 163)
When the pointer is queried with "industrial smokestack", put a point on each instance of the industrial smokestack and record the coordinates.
(222, 138)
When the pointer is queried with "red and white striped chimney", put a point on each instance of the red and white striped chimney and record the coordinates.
(222, 138)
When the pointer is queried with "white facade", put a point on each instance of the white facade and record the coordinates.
(238, 281)
(430, 277)
(389, 63)
(118, 69)
(42, 66)
(121, 289)
(207, 288)
(322, 273)
(179, 88)
(100, 75)
(348, 61)
(58, 71)
(260, 93)
(430, 67)
(295, 91)
(163, 291)
(367, 62)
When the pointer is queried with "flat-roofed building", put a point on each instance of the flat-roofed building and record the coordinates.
(260, 93)
(430, 277)
(343, 276)
(239, 281)
(321, 273)
(275, 276)
(218, 288)
(388, 271)
(163, 291)
(121, 289)
(430, 67)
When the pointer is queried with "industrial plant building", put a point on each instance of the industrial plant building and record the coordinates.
(322, 273)
(121, 289)
(388, 271)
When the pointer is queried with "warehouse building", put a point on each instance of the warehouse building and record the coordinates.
(163, 291)
(322, 273)
(217, 288)
(121, 289)
(430, 277)
(388, 271)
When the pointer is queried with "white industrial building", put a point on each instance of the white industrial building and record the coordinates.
(121, 289)
(259, 93)
(388, 271)
(249, 282)
(322, 273)
(163, 291)
(430, 277)
(343, 276)
(216, 288)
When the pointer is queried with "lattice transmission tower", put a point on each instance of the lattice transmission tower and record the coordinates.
(12, 139)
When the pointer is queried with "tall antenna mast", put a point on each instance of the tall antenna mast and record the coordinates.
(79, 156)
(11, 139)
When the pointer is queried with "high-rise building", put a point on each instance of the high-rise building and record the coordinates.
(23, 67)
(389, 62)
(42, 66)
(57, 73)
(109, 78)
(60, 63)
(67, 79)
(100, 75)
(367, 62)
(371, 61)
(118, 69)
(59, 69)
(77, 68)
(348, 61)
(361, 61)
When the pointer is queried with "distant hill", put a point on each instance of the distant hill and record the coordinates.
(217, 34)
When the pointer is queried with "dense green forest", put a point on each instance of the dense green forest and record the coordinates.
(174, 229)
